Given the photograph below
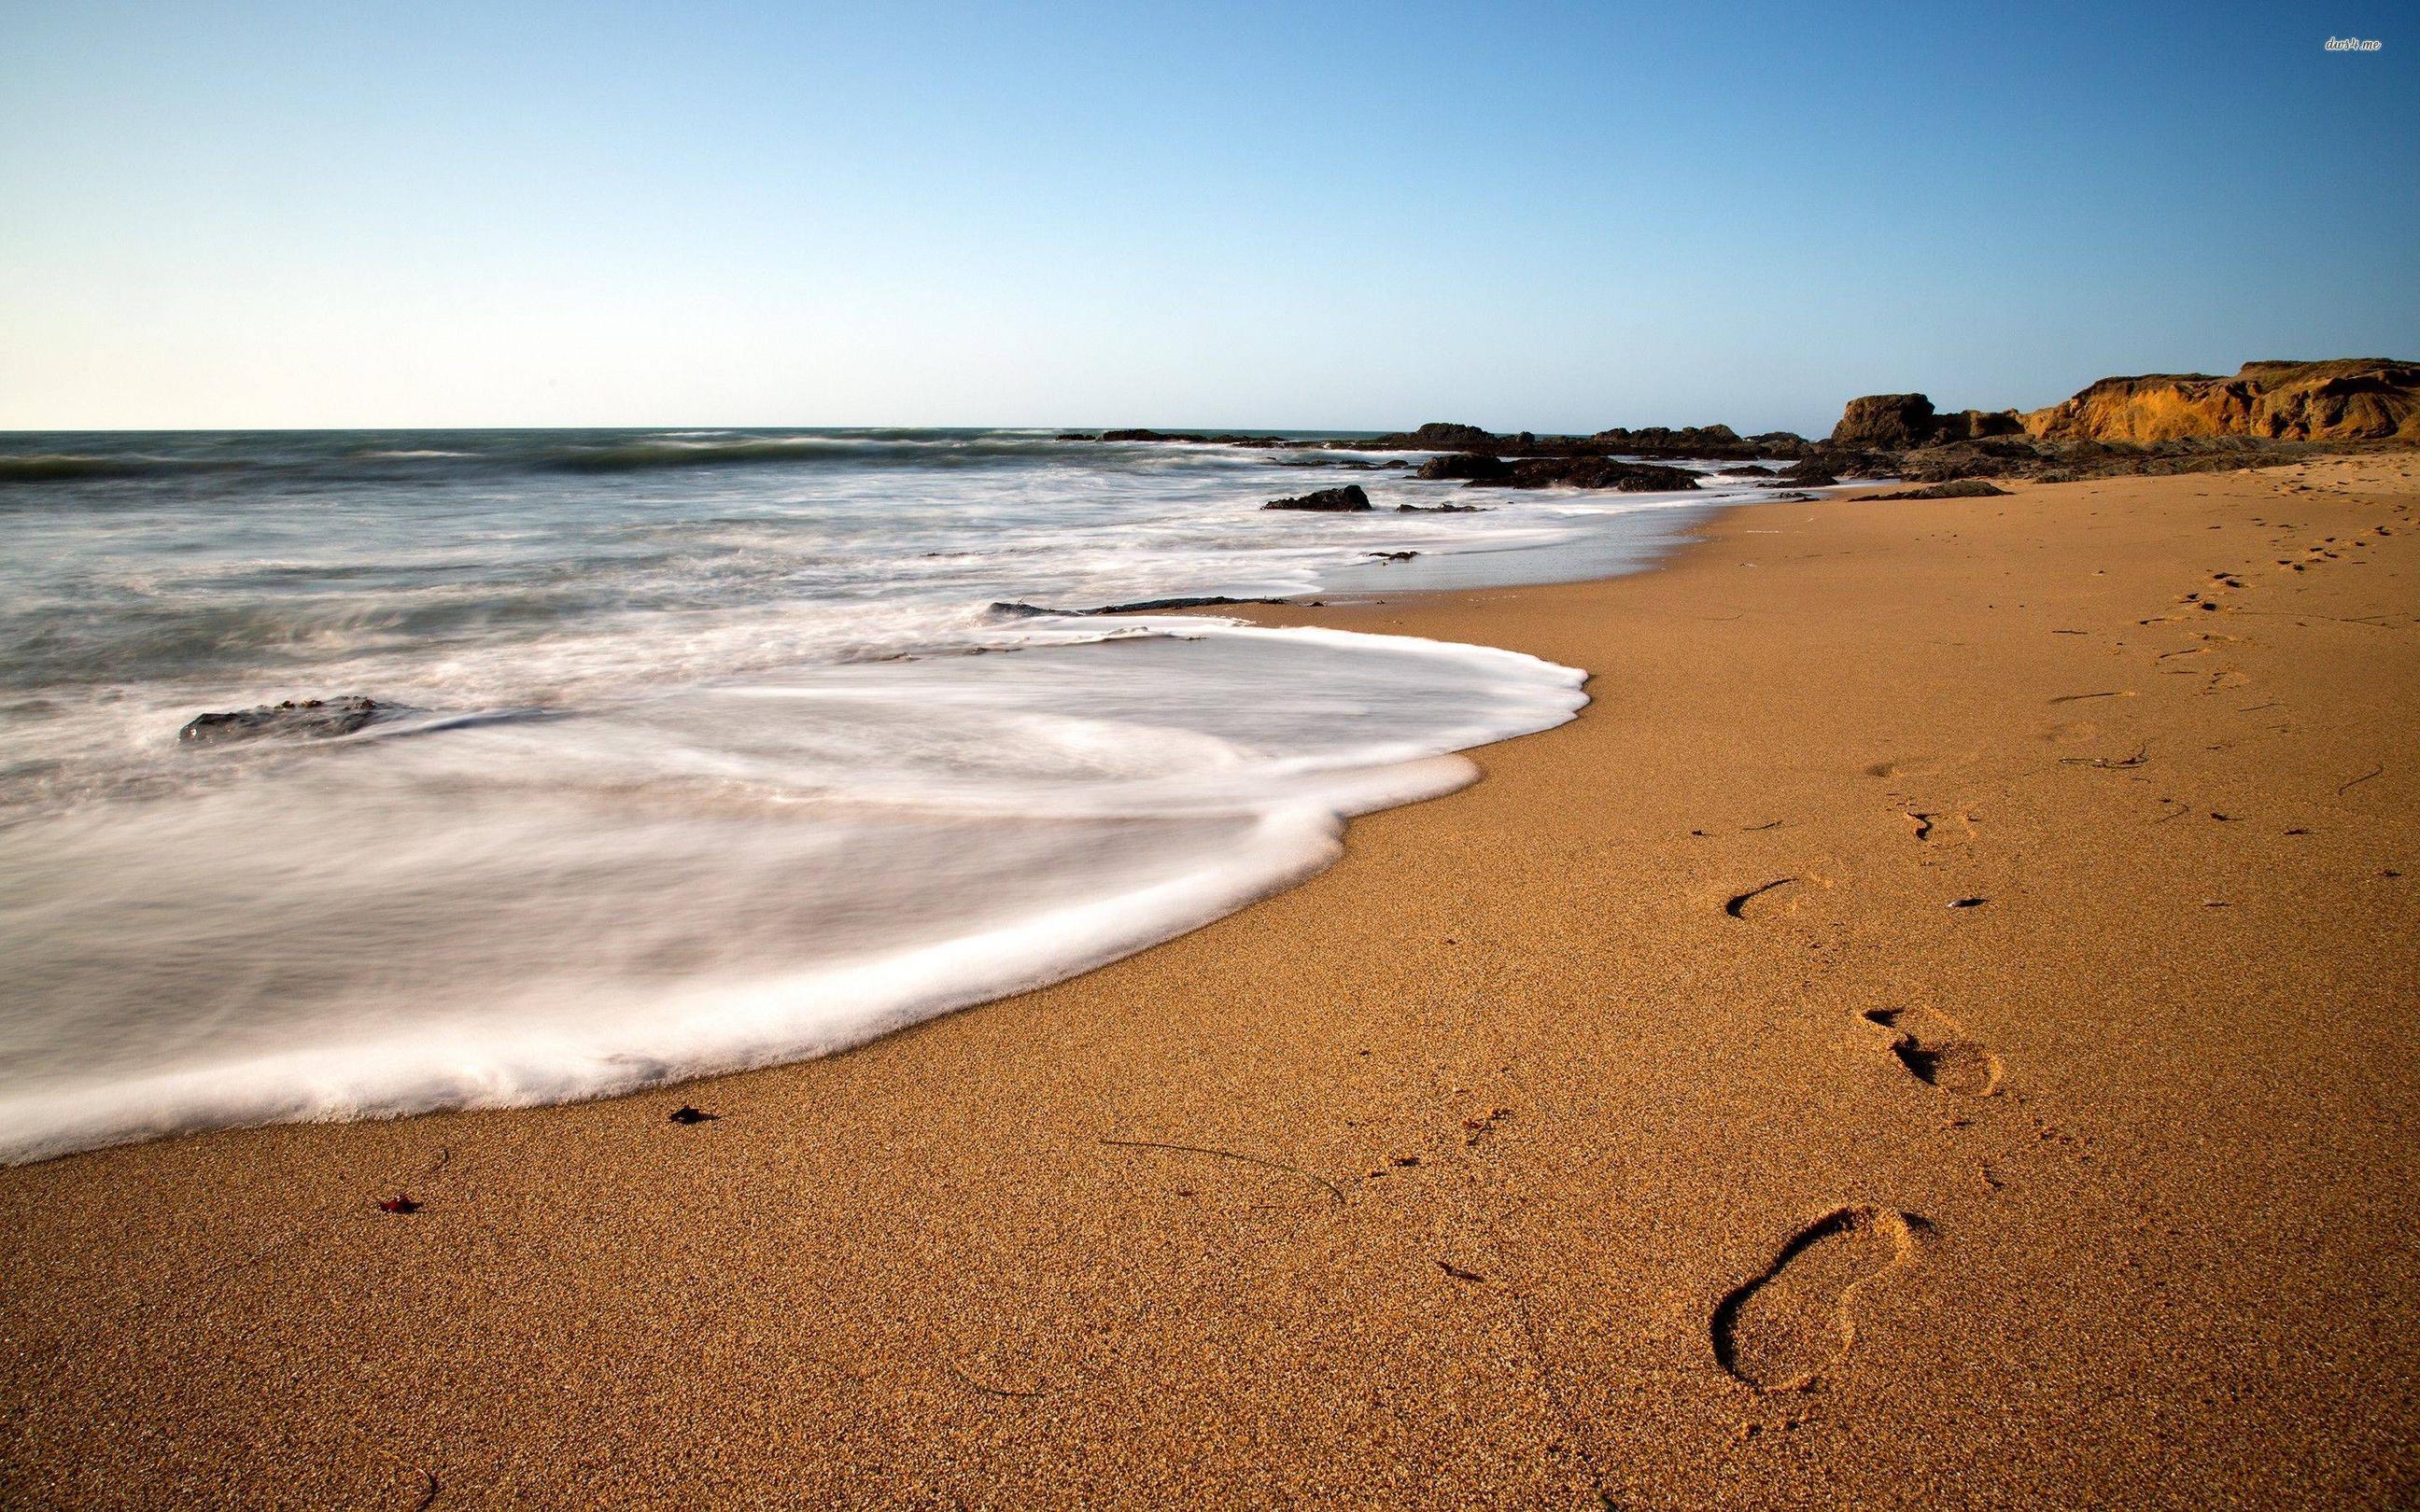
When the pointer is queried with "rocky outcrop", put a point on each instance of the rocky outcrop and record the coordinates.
(1590, 472)
(316, 718)
(1468, 465)
(1332, 500)
(1885, 421)
(1977, 424)
(1189, 438)
(1719, 442)
(1436, 436)
(1900, 421)
(2359, 398)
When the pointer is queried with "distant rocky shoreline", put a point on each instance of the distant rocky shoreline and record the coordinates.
(2267, 412)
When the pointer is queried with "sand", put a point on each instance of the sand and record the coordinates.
(1643, 1126)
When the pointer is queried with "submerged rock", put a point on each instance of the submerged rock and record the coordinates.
(1151, 435)
(1333, 500)
(1589, 473)
(316, 719)
(1148, 605)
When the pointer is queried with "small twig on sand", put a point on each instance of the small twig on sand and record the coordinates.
(2377, 622)
(2141, 754)
(2362, 778)
(2078, 698)
(1333, 1190)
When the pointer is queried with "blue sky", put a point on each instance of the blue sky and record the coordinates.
(1544, 216)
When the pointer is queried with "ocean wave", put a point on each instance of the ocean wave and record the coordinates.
(633, 456)
(68, 467)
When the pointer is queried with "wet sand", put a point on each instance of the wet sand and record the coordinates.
(1643, 1126)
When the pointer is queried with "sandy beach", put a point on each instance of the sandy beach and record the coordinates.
(1937, 1031)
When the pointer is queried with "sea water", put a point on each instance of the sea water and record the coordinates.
(704, 749)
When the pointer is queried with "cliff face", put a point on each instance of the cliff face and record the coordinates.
(2358, 398)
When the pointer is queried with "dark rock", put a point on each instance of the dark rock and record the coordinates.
(1751, 470)
(1441, 436)
(1436, 436)
(1334, 501)
(1147, 605)
(1152, 606)
(1962, 488)
(1465, 465)
(1785, 444)
(1442, 509)
(1590, 472)
(1078, 435)
(1977, 424)
(1884, 422)
(1393, 556)
(314, 718)
(1149, 436)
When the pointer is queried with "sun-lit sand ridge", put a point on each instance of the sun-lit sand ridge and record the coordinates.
(1649, 1125)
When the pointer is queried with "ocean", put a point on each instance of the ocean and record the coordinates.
(700, 750)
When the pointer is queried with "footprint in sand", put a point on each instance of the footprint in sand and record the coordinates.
(1929, 825)
(1929, 1045)
(1784, 1327)
(1738, 904)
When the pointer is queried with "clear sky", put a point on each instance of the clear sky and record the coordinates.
(1559, 217)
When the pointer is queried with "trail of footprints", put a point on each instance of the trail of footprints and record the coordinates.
(1784, 1327)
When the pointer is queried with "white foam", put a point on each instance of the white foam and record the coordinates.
(517, 912)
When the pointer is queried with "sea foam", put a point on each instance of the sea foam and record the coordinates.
(493, 913)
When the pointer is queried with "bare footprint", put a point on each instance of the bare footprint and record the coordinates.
(1929, 1045)
(1931, 825)
(1737, 904)
(1909, 767)
(1790, 1322)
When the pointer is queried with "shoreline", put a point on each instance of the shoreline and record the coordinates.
(1430, 1178)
